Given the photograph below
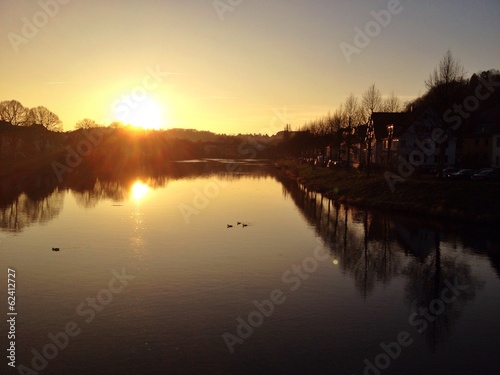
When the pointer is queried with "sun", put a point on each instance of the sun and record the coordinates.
(145, 113)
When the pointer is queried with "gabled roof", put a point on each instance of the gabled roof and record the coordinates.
(382, 119)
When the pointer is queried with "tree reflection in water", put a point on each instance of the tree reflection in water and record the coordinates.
(375, 248)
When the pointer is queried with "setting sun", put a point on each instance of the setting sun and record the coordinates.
(146, 114)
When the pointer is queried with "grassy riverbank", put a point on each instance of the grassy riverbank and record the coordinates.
(462, 200)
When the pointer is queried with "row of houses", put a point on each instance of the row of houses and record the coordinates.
(390, 138)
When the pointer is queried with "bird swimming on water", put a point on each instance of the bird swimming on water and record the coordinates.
(55, 249)
(229, 226)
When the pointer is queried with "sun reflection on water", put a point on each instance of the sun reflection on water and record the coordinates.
(139, 190)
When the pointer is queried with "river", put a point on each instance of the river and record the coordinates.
(230, 268)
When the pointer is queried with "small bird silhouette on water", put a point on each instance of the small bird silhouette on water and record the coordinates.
(238, 223)
(55, 249)
(229, 226)
(245, 225)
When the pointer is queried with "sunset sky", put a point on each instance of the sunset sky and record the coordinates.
(250, 69)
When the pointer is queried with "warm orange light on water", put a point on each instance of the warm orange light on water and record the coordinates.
(139, 190)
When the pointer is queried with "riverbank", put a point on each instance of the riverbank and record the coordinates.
(459, 200)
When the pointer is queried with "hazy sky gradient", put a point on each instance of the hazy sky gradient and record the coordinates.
(264, 61)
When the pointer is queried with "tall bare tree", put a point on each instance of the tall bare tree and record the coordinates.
(352, 111)
(371, 101)
(14, 112)
(41, 115)
(392, 103)
(446, 80)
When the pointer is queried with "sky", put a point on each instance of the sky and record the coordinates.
(230, 66)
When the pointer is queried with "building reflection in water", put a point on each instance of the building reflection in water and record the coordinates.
(376, 248)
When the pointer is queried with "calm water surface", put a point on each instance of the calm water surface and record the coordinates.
(345, 282)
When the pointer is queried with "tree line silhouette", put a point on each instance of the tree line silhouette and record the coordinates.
(447, 88)
(348, 126)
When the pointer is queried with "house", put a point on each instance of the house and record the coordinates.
(388, 129)
(352, 147)
(419, 147)
(358, 150)
(480, 144)
(408, 136)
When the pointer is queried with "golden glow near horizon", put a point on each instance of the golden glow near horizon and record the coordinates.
(139, 190)
(146, 113)
(181, 64)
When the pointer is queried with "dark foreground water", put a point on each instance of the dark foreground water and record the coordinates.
(149, 279)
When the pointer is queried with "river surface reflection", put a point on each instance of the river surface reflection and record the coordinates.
(155, 281)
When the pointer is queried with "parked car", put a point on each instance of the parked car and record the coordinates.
(490, 174)
(463, 174)
(447, 172)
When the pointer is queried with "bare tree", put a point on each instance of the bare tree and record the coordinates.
(371, 101)
(333, 122)
(352, 111)
(449, 70)
(392, 103)
(445, 81)
(445, 87)
(14, 112)
(41, 115)
(86, 123)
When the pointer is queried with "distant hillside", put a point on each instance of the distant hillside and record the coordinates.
(192, 135)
